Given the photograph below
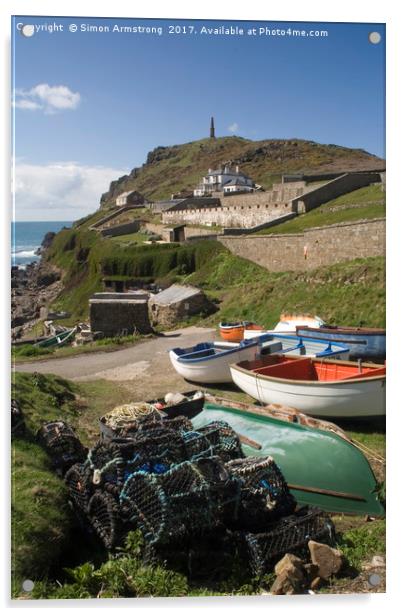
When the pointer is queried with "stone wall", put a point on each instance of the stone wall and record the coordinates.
(314, 248)
(117, 317)
(237, 211)
(340, 186)
(128, 227)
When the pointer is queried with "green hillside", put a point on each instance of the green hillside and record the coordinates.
(362, 204)
(179, 167)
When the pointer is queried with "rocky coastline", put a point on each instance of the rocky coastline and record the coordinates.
(33, 288)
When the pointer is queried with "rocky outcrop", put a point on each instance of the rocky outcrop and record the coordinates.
(32, 290)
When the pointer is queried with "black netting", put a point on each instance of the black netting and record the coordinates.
(79, 482)
(62, 444)
(223, 439)
(104, 515)
(289, 535)
(172, 504)
(264, 494)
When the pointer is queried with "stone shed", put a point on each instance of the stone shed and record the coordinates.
(119, 314)
(177, 302)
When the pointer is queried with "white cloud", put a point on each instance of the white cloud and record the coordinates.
(59, 191)
(233, 128)
(50, 99)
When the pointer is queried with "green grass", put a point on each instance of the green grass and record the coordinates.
(360, 544)
(350, 293)
(137, 238)
(371, 202)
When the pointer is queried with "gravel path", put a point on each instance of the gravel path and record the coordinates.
(146, 361)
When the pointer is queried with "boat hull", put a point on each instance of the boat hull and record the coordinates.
(360, 398)
(297, 345)
(307, 457)
(363, 344)
(214, 369)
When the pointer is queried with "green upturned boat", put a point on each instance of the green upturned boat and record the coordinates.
(322, 467)
(58, 339)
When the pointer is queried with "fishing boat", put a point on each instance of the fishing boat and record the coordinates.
(364, 342)
(287, 324)
(322, 466)
(234, 332)
(208, 362)
(298, 345)
(318, 387)
(57, 340)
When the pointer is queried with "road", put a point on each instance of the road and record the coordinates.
(146, 361)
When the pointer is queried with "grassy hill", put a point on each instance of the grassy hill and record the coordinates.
(180, 167)
(362, 204)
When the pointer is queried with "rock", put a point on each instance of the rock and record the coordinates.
(291, 576)
(284, 586)
(290, 564)
(378, 561)
(328, 559)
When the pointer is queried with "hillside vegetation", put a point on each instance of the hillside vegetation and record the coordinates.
(180, 167)
(351, 293)
(362, 204)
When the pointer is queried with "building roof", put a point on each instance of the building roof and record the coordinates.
(236, 182)
(174, 294)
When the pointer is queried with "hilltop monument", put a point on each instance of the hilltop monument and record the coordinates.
(212, 129)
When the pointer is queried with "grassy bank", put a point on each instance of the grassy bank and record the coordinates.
(362, 204)
(350, 293)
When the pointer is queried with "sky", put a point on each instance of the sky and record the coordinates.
(89, 105)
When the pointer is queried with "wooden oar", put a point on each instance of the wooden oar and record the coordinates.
(248, 441)
(346, 495)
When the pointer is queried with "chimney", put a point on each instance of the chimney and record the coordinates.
(212, 129)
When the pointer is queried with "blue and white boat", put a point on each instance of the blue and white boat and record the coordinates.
(209, 362)
(364, 342)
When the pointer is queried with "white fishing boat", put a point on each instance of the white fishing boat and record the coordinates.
(208, 362)
(299, 345)
(317, 387)
(286, 325)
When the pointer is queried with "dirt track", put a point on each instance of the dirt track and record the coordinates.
(146, 362)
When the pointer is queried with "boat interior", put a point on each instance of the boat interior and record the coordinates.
(311, 369)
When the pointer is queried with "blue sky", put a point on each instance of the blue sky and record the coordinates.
(89, 106)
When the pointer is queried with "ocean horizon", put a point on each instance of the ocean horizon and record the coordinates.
(27, 236)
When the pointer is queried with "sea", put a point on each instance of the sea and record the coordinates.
(26, 237)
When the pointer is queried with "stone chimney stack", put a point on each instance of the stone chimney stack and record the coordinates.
(212, 129)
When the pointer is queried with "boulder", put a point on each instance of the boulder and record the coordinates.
(329, 560)
(291, 576)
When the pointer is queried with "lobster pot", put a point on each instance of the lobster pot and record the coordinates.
(157, 446)
(170, 506)
(107, 465)
(264, 495)
(289, 535)
(196, 445)
(179, 423)
(61, 443)
(79, 482)
(104, 515)
(223, 439)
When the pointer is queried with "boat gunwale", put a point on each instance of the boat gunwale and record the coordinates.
(223, 353)
(365, 331)
(363, 379)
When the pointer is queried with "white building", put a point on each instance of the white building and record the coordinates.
(226, 180)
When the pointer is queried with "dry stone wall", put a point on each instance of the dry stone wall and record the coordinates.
(314, 248)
